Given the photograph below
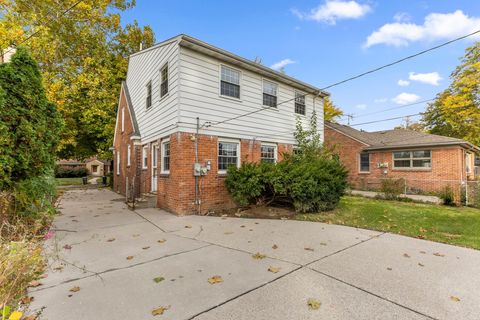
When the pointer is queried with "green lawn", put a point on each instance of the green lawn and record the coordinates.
(68, 181)
(458, 226)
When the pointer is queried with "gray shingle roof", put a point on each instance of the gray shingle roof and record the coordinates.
(397, 138)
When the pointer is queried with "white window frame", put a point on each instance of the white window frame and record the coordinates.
(162, 157)
(149, 84)
(220, 82)
(118, 163)
(123, 119)
(276, 93)
(468, 162)
(226, 140)
(411, 158)
(275, 152)
(144, 156)
(168, 80)
(360, 162)
(295, 92)
(129, 155)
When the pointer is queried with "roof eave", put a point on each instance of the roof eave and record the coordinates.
(463, 144)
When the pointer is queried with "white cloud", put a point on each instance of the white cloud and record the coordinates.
(405, 98)
(432, 78)
(361, 106)
(402, 17)
(280, 64)
(436, 26)
(380, 100)
(333, 10)
(403, 83)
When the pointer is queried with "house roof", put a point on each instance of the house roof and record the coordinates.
(398, 138)
(229, 57)
(136, 131)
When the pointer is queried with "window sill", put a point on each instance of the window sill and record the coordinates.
(230, 98)
(411, 169)
(164, 174)
(144, 168)
(164, 97)
(364, 172)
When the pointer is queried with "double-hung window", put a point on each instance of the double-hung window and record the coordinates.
(118, 163)
(268, 153)
(420, 159)
(129, 155)
(299, 103)
(230, 82)
(145, 157)
(123, 119)
(364, 162)
(269, 94)
(149, 94)
(164, 81)
(166, 157)
(228, 154)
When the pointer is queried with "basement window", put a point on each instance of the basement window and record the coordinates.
(269, 94)
(419, 159)
(228, 155)
(230, 82)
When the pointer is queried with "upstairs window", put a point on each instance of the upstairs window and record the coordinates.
(164, 81)
(420, 159)
(269, 94)
(230, 82)
(228, 155)
(149, 95)
(364, 162)
(300, 103)
(268, 153)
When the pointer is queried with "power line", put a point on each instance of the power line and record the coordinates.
(394, 108)
(50, 20)
(354, 77)
(395, 118)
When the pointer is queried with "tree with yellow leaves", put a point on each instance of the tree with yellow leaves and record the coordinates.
(331, 111)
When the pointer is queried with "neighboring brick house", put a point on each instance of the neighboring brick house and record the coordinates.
(188, 110)
(426, 162)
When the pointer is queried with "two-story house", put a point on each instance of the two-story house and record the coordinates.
(188, 110)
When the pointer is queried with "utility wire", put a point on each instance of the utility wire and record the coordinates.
(395, 118)
(354, 77)
(50, 20)
(394, 108)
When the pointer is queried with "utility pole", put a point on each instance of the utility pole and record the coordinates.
(349, 117)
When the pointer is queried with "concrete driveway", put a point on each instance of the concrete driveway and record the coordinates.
(104, 258)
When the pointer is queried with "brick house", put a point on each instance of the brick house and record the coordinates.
(426, 162)
(188, 110)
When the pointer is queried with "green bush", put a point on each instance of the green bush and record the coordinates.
(392, 188)
(447, 195)
(76, 172)
(35, 195)
(245, 184)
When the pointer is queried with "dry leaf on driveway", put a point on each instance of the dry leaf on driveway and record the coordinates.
(453, 298)
(438, 254)
(406, 255)
(27, 299)
(188, 227)
(421, 264)
(67, 247)
(309, 249)
(161, 241)
(313, 304)
(35, 283)
(145, 248)
(158, 279)
(75, 289)
(111, 240)
(159, 311)
(215, 279)
(274, 269)
(228, 232)
(259, 256)
(129, 257)
(274, 246)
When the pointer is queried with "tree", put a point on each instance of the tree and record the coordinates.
(456, 111)
(83, 58)
(331, 111)
(29, 122)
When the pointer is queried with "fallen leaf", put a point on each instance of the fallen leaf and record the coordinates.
(161, 241)
(215, 279)
(145, 248)
(421, 265)
(422, 230)
(228, 232)
(111, 239)
(135, 235)
(259, 256)
(74, 220)
(309, 249)
(406, 255)
(422, 252)
(31, 317)
(188, 227)
(242, 226)
(313, 304)
(67, 247)
(158, 279)
(453, 298)
(389, 269)
(274, 269)
(27, 299)
(35, 283)
(323, 244)
(159, 311)
(438, 254)
(129, 257)
(15, 315)
(75, 289)
(58, 268)
(274, 246)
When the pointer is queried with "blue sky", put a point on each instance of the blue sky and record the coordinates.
(330, 40)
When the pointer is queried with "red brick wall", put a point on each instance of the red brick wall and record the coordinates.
(447, 165)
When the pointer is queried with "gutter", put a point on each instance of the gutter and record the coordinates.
(464, 144)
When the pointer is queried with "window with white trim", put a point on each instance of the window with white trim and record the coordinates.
(230, 82)
(149, 94)
(228, 154)
(419, 159)
(118, 163)
(123, 119)
(299, 103)
(364, 162)
(145, 157)
(166, 156)
(164, 81)
(129, 155)
(269, 94)
(268, 153)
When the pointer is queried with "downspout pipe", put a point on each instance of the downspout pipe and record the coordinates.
(197, 202)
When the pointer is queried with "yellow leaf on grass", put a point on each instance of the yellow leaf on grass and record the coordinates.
(16, 315)
(274, 269)
(215, 279)
(259, 256)
(313, 304)
(159, 311)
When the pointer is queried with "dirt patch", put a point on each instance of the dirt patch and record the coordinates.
(259, 212)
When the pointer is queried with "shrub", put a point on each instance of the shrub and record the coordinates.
(75, 172)
(392, 188)
(447, 195)
(245, 184)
